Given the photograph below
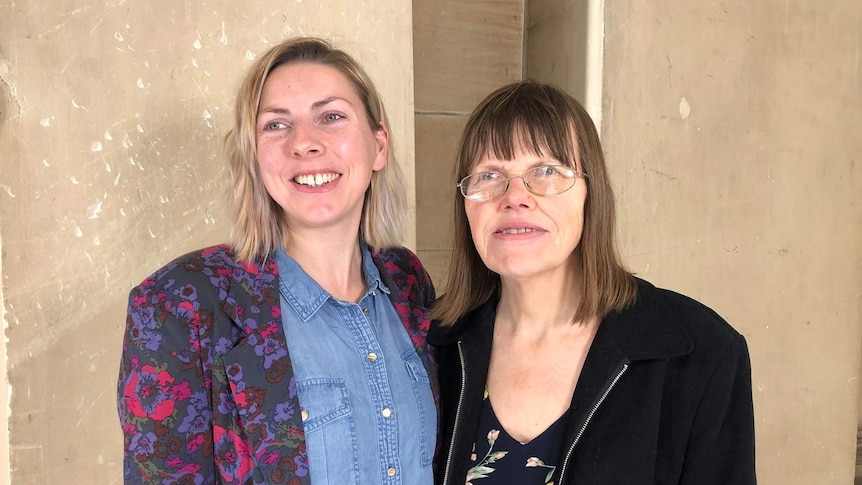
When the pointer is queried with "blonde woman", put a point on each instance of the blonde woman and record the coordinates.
(297, 353)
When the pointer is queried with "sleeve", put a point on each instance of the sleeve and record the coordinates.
(162, 396)
(721, 444)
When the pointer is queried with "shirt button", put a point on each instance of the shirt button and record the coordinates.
(391, 471)
(372, 356)
(304, 414)
(366, 311)
(386, 413)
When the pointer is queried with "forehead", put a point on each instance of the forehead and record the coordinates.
(509, 141)
(308, 78)
(520, 151)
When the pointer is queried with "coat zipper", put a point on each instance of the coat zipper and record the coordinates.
(595, 408)
(457, 414)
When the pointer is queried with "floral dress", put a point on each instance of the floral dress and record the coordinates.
(499, 459)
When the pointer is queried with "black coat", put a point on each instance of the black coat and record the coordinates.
(664, 397)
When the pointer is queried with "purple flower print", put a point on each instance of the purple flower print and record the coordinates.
(143, 444)
(250, 325)
(196, 422)
(291, 388)
(142, 317)
(225, 404)
(301, 462)
(284, 412)
(234, 374)
(199, 401)
(151, 340)
(222, 345)
(271, 349)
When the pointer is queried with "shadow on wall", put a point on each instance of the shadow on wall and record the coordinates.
(8, 103)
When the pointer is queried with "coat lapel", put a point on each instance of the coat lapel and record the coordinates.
(257, 421)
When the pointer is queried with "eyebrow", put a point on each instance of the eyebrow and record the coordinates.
(315, 105)
(498, 164)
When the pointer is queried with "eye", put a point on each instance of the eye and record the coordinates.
(330, 117)
(273, 125)
(487, 176)
(547, 171)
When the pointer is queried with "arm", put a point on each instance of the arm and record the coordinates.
(163, 396)
(721, 445)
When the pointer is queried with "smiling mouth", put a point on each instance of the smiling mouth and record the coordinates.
(521, 230)
(316, 180)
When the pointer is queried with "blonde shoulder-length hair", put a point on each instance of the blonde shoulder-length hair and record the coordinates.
(547, 121)
(258, 222)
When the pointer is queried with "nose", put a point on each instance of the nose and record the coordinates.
(517, 195)
(304, 142)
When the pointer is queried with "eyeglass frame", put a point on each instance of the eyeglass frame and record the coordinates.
(575, 175)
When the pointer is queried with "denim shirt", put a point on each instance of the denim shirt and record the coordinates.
(367, 410)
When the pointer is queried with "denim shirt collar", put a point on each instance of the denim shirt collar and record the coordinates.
(305, 295)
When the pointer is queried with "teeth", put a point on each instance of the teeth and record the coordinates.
(316, 180)
(518, 231)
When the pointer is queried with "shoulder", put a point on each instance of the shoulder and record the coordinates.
(398, 259)
(709, 332)
(403, 268)
(476, 324)
(208, 274)
(213, 262)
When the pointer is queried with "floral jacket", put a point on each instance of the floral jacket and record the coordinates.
(206, 393)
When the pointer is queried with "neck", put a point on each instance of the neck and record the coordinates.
(334, 261)
(538, 306)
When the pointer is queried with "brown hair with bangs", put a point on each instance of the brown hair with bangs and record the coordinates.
(258, 221)
(546, 120)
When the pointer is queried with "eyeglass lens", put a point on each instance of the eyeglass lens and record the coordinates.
(544, 180)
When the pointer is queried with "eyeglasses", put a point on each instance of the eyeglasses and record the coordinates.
(542, 180)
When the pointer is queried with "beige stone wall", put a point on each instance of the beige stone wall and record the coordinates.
(111, 116)
(557, 39)
(732, 132)
(4, 389)
(462, 52)
(564, 46)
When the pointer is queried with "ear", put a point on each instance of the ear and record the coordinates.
(381, 139)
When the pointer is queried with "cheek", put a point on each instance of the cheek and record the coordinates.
(265, 160)
(477, 224)
(266, 167)
(470, 211)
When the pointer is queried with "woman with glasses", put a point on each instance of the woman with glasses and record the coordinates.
(557, 365)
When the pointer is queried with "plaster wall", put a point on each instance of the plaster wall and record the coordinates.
(732, 132)
(111, 118)
(4, 382)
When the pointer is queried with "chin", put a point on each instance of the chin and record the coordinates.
(523, 270)
(526, 267)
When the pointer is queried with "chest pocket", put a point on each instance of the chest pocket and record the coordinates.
(424, 403)
(323, 401)
(329, 430)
